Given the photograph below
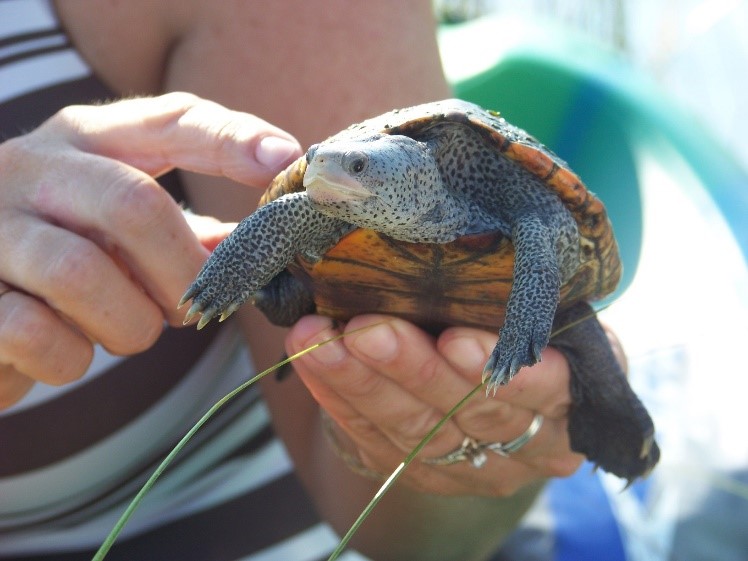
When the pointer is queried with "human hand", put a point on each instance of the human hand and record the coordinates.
(92, 250)
(387, 386)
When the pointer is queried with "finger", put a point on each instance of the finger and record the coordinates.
(484, 419)
(380, 446)
(360, 397)
(13, 386)
(76, 278)
(126, 213)
(543, 387)
(181, 130)
(121, 207)
(35, 344)
(408, 357)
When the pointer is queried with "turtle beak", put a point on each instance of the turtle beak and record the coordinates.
(326, 182)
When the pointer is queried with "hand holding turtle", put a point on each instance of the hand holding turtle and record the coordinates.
(93, 250)
(387, 386)
(404, 213)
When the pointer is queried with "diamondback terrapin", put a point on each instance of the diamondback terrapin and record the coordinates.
(444, 214)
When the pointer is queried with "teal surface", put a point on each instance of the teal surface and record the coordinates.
(595, 111)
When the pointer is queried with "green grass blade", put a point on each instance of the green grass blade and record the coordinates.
(129, 511)
(397, 473)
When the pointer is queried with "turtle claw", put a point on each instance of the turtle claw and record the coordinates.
(647, 445)
(489, 374)
(187, 296)
(197, 308)
(517, 347)
(498, 376)
(207, 314)
(191, 313)
(502, 367)
(204, 320)
(491, 389)
(230, 309)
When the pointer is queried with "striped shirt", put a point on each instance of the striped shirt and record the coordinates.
(72, 457)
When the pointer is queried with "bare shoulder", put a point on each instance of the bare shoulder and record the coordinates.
(223, 50)
(126, 43)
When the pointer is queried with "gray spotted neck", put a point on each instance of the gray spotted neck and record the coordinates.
(442, 221)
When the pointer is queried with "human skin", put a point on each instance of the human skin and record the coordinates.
(311, 72)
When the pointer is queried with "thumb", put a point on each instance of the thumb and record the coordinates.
(181, 130)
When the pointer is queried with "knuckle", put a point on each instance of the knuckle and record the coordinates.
(360, 386)
(416, 427)
(135, 201)
(22, 332)
(68, 114)
(141, 339)
(68, 118)
(220, 129)
(137, 331)
(32, 345)
(29, 334)
(74, 272)
(487, 417)
(181, 100)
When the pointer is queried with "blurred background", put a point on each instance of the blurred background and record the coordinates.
(696, 50)
(646, 100)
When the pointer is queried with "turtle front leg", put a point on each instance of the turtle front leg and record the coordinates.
(532, 302)
(607, 421)
(260, 247)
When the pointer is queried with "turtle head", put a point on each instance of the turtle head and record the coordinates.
(388, 183)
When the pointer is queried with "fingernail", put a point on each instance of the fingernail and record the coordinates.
(466, 352)
(327, 353)
(274, 152)
(378, 343)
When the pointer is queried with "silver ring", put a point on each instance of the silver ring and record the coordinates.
(475, 452)
(513, 445)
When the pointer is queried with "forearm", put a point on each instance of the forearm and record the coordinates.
(413, 526)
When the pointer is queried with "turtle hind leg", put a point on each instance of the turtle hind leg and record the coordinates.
(284, 300)
(607, 421)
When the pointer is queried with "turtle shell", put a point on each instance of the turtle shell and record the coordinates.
(464, 282)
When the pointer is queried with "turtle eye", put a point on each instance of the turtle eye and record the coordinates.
(355, 162)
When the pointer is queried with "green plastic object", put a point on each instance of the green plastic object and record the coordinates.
(593, 109)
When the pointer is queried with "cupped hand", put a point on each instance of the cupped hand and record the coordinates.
(92, 250)
(387, 386)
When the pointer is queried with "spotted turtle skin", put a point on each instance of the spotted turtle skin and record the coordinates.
(445, 214)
